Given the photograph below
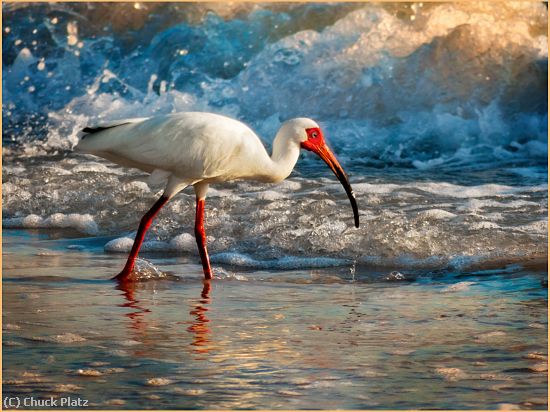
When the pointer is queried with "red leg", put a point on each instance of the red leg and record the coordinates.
(143, 226)
(200, 236)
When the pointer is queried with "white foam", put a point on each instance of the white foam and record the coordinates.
(270, 195)
(290, 185)
(181, 243)
(82, 223)
(136, 187)
(453, 262)
(228, 194)
(395, 276)
(96, 168)
(365, 51)
(64, 338)
(12, 191)
(124, 245)
(15, 170)
(287, 262)
(480, 204)
(538, 227)
(462, 192)
(380, 189)
(436, 214)
(184, 242)
(452, 374)
(484, 225)
(119, 245)
(53, 170)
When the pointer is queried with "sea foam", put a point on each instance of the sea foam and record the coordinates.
(82, 223)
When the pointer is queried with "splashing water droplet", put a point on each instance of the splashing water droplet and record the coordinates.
(72, 33)
(395, 276)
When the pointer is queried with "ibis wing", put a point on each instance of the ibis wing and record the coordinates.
(191, 145)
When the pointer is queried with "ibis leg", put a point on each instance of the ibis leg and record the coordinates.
(146, 221)
(200, 236)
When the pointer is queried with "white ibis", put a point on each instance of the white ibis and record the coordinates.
(198, 149)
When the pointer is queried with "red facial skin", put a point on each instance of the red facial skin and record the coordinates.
(316, 143)
(315, 139)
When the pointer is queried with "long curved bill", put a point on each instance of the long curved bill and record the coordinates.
(324, 153)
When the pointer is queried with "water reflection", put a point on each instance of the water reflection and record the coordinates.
(251, 345)
(144, 329)
(137, 315)
(199, 327)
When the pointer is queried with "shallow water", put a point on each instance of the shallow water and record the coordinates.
(262, 339)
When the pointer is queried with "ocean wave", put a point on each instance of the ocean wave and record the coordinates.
(429, 87)
(424, 220)
(437, 112)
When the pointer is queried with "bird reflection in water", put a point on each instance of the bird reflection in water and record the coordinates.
(199, 327)
(140, 328)
(139, 324)
(137, 315)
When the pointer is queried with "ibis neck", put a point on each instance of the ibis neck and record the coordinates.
(284, 157)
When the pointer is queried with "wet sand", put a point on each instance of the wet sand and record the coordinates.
(326, 339)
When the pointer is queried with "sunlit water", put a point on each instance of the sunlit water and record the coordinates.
(262, 339)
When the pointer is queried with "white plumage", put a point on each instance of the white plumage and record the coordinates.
(195, 148)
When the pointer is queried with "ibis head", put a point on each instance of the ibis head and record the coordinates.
(309, 136)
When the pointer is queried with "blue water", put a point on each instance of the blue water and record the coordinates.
(390, 90)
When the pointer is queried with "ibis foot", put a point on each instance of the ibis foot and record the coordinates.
(125, 276)
(207, 275)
